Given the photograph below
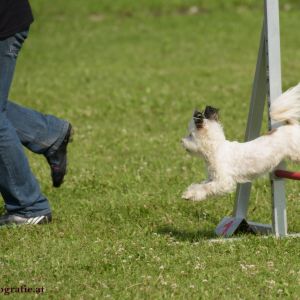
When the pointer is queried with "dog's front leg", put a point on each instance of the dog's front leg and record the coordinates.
(199, 192)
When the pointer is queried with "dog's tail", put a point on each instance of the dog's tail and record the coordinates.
(286, 108)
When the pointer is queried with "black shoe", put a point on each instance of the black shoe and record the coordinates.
(58, 160)
(11, 219)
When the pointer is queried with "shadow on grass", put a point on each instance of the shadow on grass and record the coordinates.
(186, 235)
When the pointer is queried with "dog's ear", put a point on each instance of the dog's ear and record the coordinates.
(198, 119)
(211, 113)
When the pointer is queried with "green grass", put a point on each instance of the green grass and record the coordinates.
(128, 76)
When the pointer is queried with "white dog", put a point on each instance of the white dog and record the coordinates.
(229, 163)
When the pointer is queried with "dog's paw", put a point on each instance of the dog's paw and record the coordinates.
(187, 195)
(193, 194)
(194, 187)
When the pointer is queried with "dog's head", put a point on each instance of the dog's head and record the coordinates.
(210, 113)
(204, 130)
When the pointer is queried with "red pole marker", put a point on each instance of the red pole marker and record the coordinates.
(226, 227)
(287, 174)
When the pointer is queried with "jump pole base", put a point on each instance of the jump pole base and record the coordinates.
(230, 226)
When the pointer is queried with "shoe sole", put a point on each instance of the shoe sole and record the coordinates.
(39, 220)
(68, 140)
(71, 135)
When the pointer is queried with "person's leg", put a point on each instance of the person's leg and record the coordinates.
(18, 185)
(38, 132)
(43, 134)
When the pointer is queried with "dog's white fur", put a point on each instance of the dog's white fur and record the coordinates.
(231, 162)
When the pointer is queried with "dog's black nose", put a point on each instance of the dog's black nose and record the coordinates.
(198, 118)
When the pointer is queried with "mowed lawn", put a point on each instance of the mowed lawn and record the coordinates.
(128, 75)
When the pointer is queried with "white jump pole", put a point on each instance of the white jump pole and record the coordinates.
(267, 84)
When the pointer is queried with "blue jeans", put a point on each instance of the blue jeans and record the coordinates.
(20, 126)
